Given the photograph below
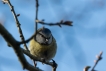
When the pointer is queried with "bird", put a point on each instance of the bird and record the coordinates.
(43, 44)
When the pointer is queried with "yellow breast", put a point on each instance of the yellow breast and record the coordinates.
(43, 51)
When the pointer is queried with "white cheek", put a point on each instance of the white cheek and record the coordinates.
(40, 39)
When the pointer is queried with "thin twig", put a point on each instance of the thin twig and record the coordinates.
(37, 5)
(68, 23)
(17, 22)
(26, 41)
(99, 57)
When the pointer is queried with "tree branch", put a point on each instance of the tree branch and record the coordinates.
(17, 22)
(18, 51)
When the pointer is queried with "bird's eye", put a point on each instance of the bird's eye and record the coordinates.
(41, 35)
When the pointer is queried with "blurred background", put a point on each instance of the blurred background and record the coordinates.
(77, 45)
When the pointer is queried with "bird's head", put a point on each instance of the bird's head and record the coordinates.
(44, 36)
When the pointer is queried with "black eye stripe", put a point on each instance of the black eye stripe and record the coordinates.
(43, 36)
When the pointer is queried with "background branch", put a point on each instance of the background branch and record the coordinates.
(99, 57)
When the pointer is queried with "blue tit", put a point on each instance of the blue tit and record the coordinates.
(43, 45)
